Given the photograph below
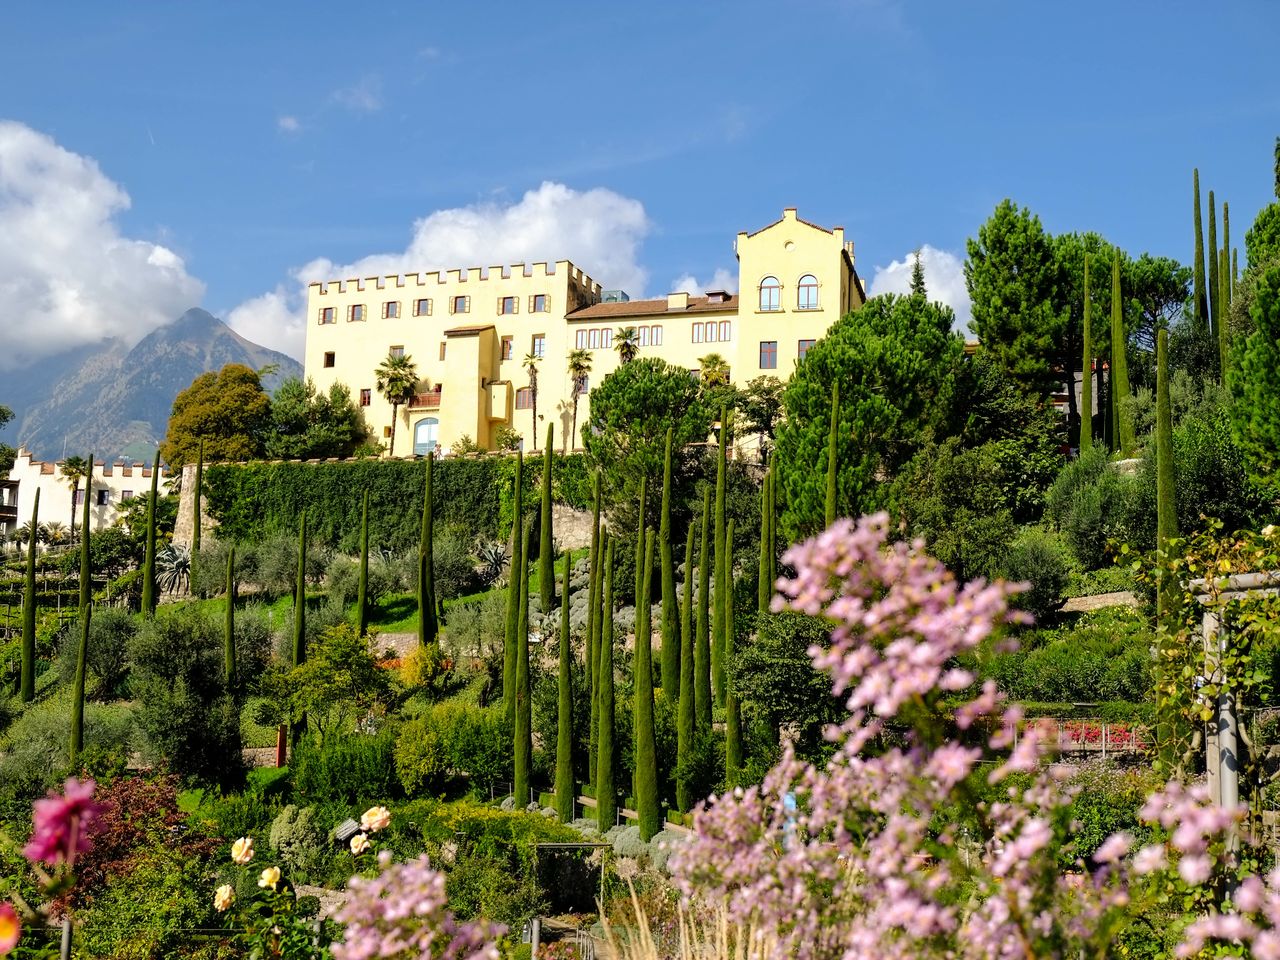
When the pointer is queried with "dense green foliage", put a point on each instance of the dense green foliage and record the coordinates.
(307, 424)
(228, 410)
(1255, 386)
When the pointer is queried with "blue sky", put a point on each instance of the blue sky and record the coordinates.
(256, 142)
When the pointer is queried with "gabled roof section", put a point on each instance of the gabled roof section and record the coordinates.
(793, 216)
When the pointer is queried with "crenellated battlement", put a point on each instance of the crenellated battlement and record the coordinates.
(538, 269)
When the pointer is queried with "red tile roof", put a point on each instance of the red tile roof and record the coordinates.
(652, 308)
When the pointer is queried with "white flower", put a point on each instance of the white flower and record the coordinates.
(270, 877)
(375, 819)
(359, 844)
(242, 850)
(223, 898)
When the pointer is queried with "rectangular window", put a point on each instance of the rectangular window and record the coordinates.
(656, 335)
(585, 383)
(366, 397)
(104, 497)
(391, 310)
(524, 398)
(768, 354)
(326, 315)
(712, 334)
(593, 338)
(644, 336)
(726, 331)
(422, 307)
(697, 333)
(328, 358)
(443, 344)
(802, 348)
(397, 351)
(386, 432)
(606, 338)
(126, 495)
(539, 303)
(506, 348)
(461, 304)
(539, 344)
(77, 498)
(507, 305)
(580, 339)
(355, 312)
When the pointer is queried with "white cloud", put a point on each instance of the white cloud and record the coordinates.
(365, 95)
(67, 275)
(599, 230)
(722, 279)
(288, 124)
(943, 280)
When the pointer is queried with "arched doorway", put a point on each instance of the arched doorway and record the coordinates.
(424, 436)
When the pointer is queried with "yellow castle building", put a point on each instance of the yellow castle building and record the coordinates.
(471, 333)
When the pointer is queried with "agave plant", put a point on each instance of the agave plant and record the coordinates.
(173, 568)
(493, 560)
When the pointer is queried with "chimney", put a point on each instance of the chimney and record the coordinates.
(677, 301)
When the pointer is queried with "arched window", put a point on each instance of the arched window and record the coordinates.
(807, 293)
(770, 293)
(424, 436)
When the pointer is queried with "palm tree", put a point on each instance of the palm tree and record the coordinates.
(73, 468)
(55, 533)
(579, 367)
(531, 365)
(22, 536)
(173, 568)
(627, 342)
(715, 370)
(396, 379)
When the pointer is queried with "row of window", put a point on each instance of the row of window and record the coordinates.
(595, 338)
(356, 312)
(806, 293)
(713, 331)
(537, 346)
(101, 497)
(769, 352)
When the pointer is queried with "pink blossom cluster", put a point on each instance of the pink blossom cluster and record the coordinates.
(401, 914)
(64, 824)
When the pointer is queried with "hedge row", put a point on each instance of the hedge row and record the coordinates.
(257, 500)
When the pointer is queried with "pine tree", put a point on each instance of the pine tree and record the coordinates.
(717, 609)
(77, 695)
(300, 619)
(1086, 381)
(646, 748)
(198, 492)
(428, 624)
(732, 708)
(670, 607)
(832, 459)
(27, 685)
(149, 562)
(1120, 411)
(1215, 306)
(546, 562)
(606, 792)
(515, 575)
(685, 707)
(362, 593)
(564, 709)
(229, 623)
(524, 714)
(1201, 296)
(917, 277)
(593, 614)
(702, 632)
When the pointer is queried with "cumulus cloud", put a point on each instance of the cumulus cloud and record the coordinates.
(943, 280)
(722, 279)
(599, 230)
(288, 124)
(68, 277)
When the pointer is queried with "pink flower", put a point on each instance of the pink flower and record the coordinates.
(1113, 848)
(63, 824)
(10, 928)
(1194, 869)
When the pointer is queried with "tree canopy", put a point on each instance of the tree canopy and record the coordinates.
(1255, 385)
(228, 410)
(307, 424)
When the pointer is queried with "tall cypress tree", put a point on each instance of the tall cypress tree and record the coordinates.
(1224, 327)
(564, 709)
(362, 593)
(606, 791)
(1226, 245)
(593, 614)
(833, 439)
(1167, 591)
(196, 511)
(732, 708)
(717, 609)
(149, 561)
(229, 623)
(764, 584)
(300, 620)
(546, 562)
(1121, 413)
(1215, 306)
(77, 696)
(702, 631)
(524, 715)
(86, 583)
(670, 605)
(516, 574)
(1201, 295)
(639, 556)
(1086, 380)
(606, 544)
(646, 749)
(428, 624)
(27, 685)
(685, 707)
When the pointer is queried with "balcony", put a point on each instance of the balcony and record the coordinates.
(426, 401)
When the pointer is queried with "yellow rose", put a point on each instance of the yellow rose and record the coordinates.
(242, 850)
(223, 897)
(270, 877)
(375, 819)
(359, 844)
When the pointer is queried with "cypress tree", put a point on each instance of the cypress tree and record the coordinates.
(149, 562)
(27, 686)
(764, 583)
(702, 632)
(646, 748)
(1215, 305)
(515, 575)
(300, 619)
(1235, 271)
(428, 625)
(832, 444)
(1201, 297)
(524, 716)
(685, 707)
(86, 581)
(1120, 411)
(640, 528)
(605, 546)
(1224, 327)
(77, 696)
(564, 709)
(732, 709)
(717, 609)
(229, 623)
(1226, 246)
(195, 528)
(606, 792)
(1166, 518)
(362, 593)
(775, 473)
(593, 615)
(1086, 380)
(670, 607)
(546, 562)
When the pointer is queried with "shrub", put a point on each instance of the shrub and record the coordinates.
(1040, 558)
(33, 752)
(357, 768)
(1091, 503)
(298, 838)
(487, 887)
(422, 760)
(342, 579)
(209, 568)
(453, 563)
(457, 737)
(110, 631)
